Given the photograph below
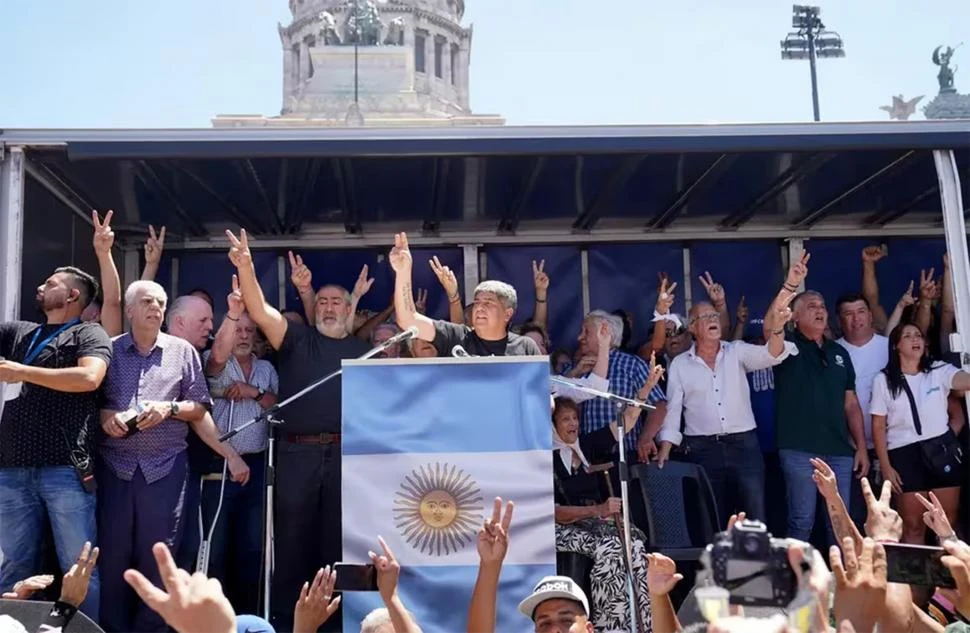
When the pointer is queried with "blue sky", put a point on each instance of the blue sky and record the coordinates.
(176, 63)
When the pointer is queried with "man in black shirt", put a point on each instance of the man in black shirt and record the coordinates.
(307, 526)
(492, 311)
(52, 372)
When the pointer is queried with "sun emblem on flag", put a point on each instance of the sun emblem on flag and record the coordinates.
(438, 509)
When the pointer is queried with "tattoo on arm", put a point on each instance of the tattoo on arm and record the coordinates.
(408, 298)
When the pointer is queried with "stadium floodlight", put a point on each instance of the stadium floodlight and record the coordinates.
(811, 41)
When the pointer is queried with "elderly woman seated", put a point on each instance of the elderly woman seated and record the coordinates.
(585, 517)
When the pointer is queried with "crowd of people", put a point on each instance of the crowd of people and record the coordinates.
(111, 437)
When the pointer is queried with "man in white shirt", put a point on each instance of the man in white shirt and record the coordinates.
(869, 353)
(708, 383)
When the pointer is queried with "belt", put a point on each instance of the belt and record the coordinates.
(720, 437)
(315, 438)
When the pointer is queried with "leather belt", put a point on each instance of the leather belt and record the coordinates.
(315, 438)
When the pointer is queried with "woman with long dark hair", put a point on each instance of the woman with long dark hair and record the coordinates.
(910, 428)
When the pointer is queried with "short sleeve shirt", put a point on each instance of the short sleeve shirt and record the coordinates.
(810, 392)
(170, 371)
(304, 357)
(448, 335)
(42, 426)
(930, 390)
(230, 414)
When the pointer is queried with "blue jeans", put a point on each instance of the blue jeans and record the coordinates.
(736, 470)
(26, 495)
(236, 547)
(803, 493)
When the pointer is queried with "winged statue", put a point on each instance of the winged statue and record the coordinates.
(901, 109)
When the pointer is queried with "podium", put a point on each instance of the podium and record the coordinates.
(427, 445)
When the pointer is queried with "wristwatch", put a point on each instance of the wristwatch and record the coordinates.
(262, 392)
(174, 408)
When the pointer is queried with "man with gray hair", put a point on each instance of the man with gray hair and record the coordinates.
(817, 413)
(488, 334)
(627, 375)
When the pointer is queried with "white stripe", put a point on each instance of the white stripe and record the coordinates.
(376, 504)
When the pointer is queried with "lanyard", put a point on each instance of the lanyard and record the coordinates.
(33, 352)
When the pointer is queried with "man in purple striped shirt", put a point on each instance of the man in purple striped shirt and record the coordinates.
(154, 386)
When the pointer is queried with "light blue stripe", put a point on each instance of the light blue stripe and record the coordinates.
(438, 597)
(454, 408)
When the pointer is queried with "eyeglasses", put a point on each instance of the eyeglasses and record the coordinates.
(708, 316)
(675, 331)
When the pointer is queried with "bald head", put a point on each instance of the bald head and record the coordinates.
(190, 318)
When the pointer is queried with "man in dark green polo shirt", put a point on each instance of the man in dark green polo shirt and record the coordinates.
(817, 414)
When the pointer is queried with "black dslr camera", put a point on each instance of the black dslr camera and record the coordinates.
(752, 566)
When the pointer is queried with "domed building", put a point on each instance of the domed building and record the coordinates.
(374, 63)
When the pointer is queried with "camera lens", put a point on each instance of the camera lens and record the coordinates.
(751, 544)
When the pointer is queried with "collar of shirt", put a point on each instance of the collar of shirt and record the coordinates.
(161, 341)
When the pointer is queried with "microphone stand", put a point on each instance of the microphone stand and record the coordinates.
(621, 404)
(273, 423)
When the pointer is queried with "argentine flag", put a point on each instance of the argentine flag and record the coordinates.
(427, 446)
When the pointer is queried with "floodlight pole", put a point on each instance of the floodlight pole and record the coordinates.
(811, 63)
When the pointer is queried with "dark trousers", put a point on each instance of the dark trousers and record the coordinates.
(236, 545)
(132, 517)
(736, 469)
(200, 457)
(306, 524)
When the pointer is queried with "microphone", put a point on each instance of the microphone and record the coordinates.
(406, 335)
(459, 352)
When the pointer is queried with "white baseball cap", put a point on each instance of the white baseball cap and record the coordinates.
(552, 587)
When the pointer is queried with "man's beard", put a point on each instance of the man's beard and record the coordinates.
(46, 304)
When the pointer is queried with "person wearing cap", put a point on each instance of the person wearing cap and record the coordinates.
(558, 603)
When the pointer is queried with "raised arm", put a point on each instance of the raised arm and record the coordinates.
(226, 336)
(104, 239)
(493, 544)
(870, 284)
(661, 314)
(302, 279)
(541, 281)
(153, 253)
(268, 318)
(718, 297)
(446, 277)
(947, 309)
(904, 302)
(405, 312)
(924, 309)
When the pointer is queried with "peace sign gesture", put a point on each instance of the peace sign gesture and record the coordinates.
(155, 245)
(798, 271)
(540, 277)
(715, 291)
(400, 256)
(300, 273)
(927, 286)
(445, 277)
(104, 237)
(493, 538)
(234, 302)
(666, 296)
(239, 253)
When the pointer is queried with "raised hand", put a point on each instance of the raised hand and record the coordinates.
(445, 277)
(388, 571)
(653, 377)
(239, 253)
(907, 299)
(715, 291)
(872, 254)
(493, 538)
(662, 574)
(824, 478)
(882, 523)
(935, 517)
(540, 278)
(421, 301)
(781, 314)
(234, 301)
(927, 285)
(734, 519)
(74, 585)
(300, 273)
(798, 271)
(155, 245)
(860, 584)
(104, 237)
(363, 284)
(316, 602)
(188, 604)
(665, 296)
(400, 256)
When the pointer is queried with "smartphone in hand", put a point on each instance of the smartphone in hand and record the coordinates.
(355, 577)
(917, 565)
